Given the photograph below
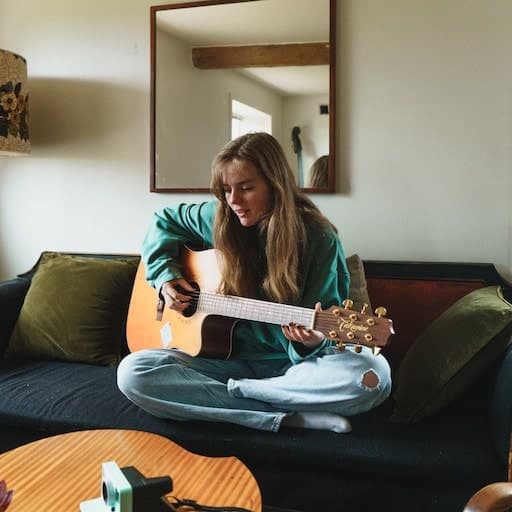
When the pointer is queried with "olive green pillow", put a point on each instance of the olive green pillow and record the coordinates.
(453, 351)
(75, 310)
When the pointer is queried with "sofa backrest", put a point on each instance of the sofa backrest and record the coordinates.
(415, 294)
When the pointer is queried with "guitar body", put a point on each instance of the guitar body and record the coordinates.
(200, 334)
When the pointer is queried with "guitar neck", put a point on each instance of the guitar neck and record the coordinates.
(253, 309)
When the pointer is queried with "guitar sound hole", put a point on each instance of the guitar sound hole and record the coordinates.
(192, 307)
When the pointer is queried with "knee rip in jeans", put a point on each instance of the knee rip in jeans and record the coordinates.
(370, 380)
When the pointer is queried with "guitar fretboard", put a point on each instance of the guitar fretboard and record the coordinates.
(253, 309)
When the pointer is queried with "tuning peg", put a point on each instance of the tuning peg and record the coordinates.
(368, 337)
(381, 311)
(347, 303)
(364, 308)
(340, 346)
(358, 349)
(333, 334)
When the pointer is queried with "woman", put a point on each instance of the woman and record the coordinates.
(278, 247)
(318, 174)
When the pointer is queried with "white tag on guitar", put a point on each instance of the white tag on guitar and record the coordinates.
(166, 335)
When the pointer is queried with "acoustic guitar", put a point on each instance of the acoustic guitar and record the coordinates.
(206, 327)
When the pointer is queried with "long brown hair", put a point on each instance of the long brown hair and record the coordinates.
(281, 237)
(318, 173)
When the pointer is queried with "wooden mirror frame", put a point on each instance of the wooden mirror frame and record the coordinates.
(330, 188)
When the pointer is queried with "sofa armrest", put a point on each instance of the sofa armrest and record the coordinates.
(12, 295)
(501, 407)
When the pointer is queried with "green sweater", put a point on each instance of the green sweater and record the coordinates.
(325, 274)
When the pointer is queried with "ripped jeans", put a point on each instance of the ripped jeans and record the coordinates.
(253, 393)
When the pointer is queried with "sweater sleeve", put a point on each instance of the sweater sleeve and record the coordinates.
(186, 224)
(326, 280)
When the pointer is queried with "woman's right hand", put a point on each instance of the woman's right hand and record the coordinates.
(175, 294)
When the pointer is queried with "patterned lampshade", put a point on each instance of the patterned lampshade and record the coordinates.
(14, 139)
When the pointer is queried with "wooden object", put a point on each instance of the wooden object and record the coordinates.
(59, 472)
(496, 497)
(176, 182)
(263, 55)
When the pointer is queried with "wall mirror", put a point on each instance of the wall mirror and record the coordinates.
(220, 68)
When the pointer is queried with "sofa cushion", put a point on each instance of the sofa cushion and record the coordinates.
(501, 407)
(75, 310)
(56, 397)
(453, 351)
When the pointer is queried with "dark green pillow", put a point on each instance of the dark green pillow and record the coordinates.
(453, 351)
(75, 310)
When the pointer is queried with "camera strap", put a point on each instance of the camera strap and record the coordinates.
(194, 505)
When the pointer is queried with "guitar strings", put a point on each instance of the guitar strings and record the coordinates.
(258, 309)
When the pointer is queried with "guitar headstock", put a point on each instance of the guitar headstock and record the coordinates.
(345, 325)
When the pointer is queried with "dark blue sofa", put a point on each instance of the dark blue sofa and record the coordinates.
(433, 465)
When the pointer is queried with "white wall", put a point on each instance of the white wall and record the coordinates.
(424, 132)
(425, 142)
(194, 113)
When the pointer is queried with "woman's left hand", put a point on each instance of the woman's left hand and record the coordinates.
(308, 337)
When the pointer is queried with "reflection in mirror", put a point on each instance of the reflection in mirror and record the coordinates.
(318, 173)
(222, 68)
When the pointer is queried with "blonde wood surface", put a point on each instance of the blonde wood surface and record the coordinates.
(57, 473)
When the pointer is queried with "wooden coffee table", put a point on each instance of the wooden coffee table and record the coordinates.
(59, 472)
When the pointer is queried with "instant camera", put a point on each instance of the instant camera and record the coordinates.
(128, 490)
